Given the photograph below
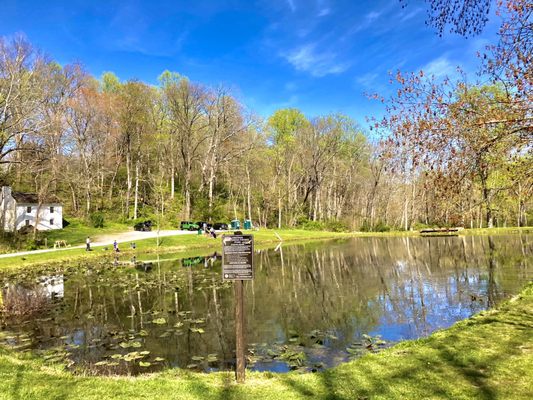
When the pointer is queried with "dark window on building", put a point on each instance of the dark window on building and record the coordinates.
(51, 221)
(28, 209)
(27, 222)
(51, 209)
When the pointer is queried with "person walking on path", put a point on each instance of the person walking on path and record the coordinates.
(88, 244)
(115, 246)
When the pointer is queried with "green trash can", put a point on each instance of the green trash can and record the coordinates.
(247, 224)
(235, 224)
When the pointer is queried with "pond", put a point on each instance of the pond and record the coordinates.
(310, 306)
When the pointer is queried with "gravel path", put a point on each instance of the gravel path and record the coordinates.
(107, 240)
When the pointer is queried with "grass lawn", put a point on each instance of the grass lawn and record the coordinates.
(74, 234)
(184, 244)
(489, 356)
(188, 245)
(77, 231)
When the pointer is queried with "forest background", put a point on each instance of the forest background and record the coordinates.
(447, 153)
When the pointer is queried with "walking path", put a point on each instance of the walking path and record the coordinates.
(107, 240)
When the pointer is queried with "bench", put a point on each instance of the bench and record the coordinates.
(59, 243)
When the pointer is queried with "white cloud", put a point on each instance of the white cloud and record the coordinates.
(306, 58)
(412, 14)
(367, 80)
(291, 5)
(323, 12)
(372, 16)
(364, 24)
(440, 67)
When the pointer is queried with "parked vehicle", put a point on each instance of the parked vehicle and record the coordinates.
(189, 226)
(220, 226)
(189, 262)
(145, 226)
(207, 224)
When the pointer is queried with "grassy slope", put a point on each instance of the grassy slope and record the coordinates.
(77, 231)
(489, 356)
(74, 234)
(192, 244)
(184, 244)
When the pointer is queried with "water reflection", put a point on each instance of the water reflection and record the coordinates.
(310, 306)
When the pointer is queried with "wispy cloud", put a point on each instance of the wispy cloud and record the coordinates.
(323, 12)
(367, 80)
(372, 16)
(307, 59)
(412, 14)
(440, 67)
(291, 5)
(366, 22)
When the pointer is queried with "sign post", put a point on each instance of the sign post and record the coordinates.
(237, 265)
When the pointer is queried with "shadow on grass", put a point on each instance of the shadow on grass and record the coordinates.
(15, 390)
(292, 382)
(461, 363)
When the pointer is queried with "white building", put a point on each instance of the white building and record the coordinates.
(18, 210)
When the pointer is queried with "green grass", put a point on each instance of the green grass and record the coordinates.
(497, 231)
(183, 244)
(489, 356)
(77, 231)
(73, 234)
(193, 244)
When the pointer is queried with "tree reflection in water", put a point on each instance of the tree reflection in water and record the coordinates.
(310, 305)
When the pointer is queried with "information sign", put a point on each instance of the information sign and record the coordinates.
(237, 257)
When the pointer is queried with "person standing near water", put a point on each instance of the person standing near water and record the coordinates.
(88, 244)
(115, 246)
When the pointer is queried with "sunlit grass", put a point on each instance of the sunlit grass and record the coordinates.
(489, 356)
(193, 244)
(184, 244)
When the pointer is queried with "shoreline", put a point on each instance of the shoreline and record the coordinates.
(488, 355)
(192, 243)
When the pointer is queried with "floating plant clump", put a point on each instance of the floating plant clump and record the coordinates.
(307, 309)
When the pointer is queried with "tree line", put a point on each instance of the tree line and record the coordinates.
(447, 152)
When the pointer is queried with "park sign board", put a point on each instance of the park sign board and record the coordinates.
(237, 257)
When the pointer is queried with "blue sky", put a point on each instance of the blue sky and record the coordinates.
(319, 56)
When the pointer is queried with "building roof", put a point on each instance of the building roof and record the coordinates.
(33, 198)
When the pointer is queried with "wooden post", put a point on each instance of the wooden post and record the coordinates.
(239, 330)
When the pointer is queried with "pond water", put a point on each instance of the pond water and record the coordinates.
(311, 306)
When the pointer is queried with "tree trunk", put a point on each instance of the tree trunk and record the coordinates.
(172, 180)
(136, 199)
(279, 208)
(187, 192)
(129, 184)
(248, 192)
(211, 185)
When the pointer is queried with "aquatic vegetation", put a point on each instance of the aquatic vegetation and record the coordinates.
(319, 306)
